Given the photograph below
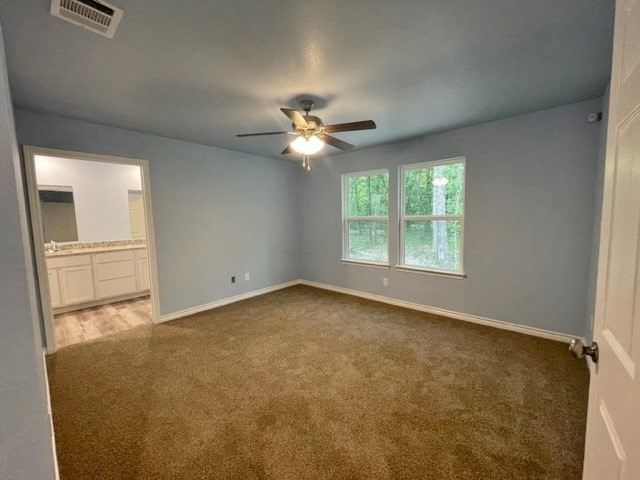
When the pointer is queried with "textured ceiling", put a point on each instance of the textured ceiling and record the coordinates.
(205, 70)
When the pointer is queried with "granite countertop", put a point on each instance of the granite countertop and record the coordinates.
(83, 248)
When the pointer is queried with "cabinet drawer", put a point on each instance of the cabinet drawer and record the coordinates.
(68, 261)
(113, 270)
(113, 265)
(120, 255)
(116, 286)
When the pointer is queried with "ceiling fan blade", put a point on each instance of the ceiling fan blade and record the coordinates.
(336, 142)
(287, 150)
(258, 134)
(351, 126)
(295, 117)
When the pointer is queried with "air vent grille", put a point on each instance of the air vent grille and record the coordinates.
(99, 17)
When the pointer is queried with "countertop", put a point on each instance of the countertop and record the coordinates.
(95, 247)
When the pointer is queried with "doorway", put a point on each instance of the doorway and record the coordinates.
(94, 245)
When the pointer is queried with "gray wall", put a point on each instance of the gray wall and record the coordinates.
(217, 213)
(597, 214)
(25, 433)
(528, 228)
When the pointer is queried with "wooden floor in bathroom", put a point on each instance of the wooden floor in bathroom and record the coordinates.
(95, 322)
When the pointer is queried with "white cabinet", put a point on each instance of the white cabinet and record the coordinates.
(142, 272)
(74, 279)
(89, 278)
(54, 288)
(115, 273)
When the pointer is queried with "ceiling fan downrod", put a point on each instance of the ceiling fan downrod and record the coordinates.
(306, 105)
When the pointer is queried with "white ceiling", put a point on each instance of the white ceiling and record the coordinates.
(203, 70)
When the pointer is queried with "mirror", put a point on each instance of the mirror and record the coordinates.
(90, 201)
(58, 213)
(136, 214)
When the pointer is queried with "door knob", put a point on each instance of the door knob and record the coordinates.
(578, 349)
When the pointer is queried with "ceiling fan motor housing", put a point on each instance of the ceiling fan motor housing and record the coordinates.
(315, 125)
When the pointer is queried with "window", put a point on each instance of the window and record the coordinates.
(366, 216)
(432, 215)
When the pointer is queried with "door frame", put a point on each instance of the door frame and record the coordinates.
(38, 248)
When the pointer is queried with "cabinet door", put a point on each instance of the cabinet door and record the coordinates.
(54, 288)
(76, 284)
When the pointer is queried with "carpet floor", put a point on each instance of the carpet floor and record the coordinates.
(304, 383)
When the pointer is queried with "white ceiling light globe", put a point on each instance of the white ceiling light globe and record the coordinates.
(307, 146)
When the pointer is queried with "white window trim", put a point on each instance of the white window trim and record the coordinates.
(346, 218)
(403, 218)
(365, 263)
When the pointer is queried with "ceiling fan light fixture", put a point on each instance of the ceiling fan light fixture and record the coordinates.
(307, 145)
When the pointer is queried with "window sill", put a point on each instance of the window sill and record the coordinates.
(361, 263)
(437, 273)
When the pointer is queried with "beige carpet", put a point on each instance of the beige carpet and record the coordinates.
(308, 384)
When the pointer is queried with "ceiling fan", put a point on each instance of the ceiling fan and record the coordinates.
(311, 134)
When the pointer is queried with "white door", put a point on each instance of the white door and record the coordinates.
(613, 422)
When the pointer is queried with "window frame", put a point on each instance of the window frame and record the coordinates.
(403, 218)
(346, 218)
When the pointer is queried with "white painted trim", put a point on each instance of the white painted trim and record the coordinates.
(50, 415)
(437, 273)
(404, 217)
(35, 217)
(226, 301)
(346, 218)
(536, 332)
(361, 263)
(29, 153)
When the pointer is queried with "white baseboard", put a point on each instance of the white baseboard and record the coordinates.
(226, 301)
(536, 332)
(50, 415)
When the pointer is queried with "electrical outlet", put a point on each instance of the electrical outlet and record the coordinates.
(385, 281)
(247, 277)
(233, 279)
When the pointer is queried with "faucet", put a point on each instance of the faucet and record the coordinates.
(54, 247)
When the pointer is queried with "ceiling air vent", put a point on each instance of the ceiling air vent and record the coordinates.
(99, 17)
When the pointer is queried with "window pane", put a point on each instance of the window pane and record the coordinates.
(434, 190)
(432, 244)
(368, 240)
(368, 195)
